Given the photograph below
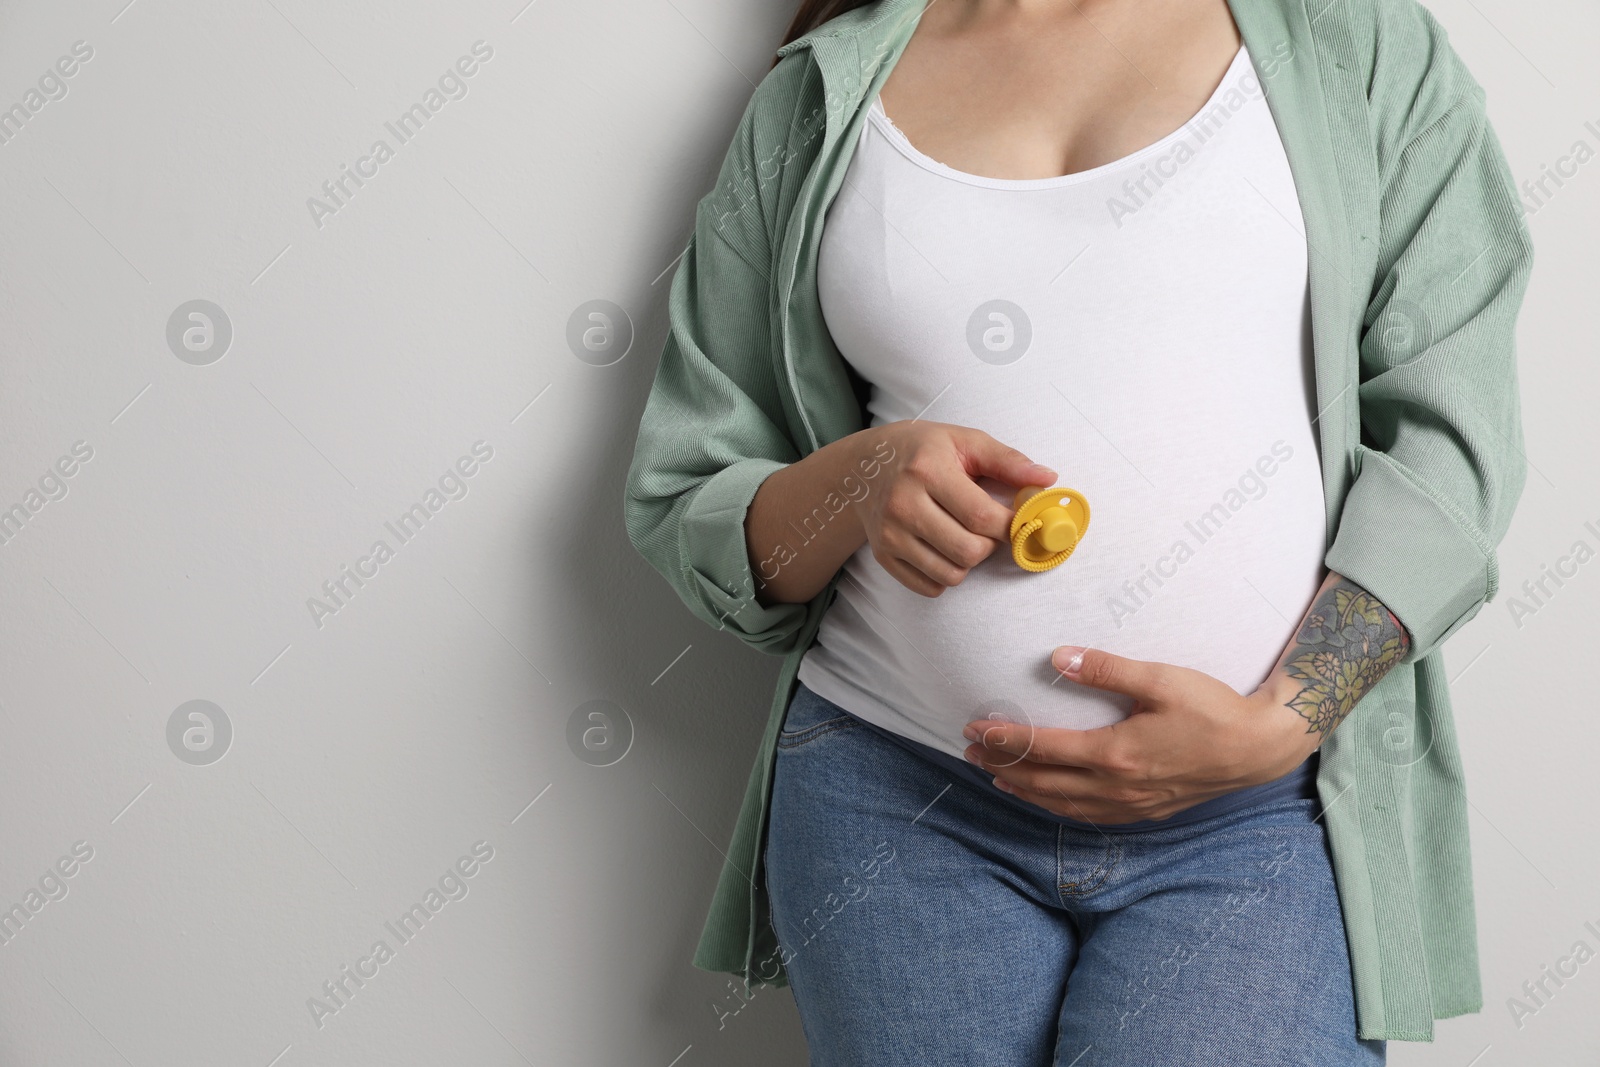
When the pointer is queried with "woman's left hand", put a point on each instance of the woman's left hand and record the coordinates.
(1189, 738)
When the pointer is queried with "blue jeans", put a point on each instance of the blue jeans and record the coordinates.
(924, 923)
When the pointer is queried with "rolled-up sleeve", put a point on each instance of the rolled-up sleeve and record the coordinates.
(713, 426)
(1441, 465)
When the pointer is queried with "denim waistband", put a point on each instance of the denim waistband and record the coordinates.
(1298, 784)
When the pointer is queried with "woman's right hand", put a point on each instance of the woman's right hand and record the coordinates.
(929, 522)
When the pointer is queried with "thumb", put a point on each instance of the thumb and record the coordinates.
(1098, 669)
(986, 456)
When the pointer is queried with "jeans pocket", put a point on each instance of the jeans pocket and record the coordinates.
(809, 718)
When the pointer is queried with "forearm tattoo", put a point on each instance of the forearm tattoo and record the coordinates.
(1347, 643)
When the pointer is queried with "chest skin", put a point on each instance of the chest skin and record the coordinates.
(1045, 89)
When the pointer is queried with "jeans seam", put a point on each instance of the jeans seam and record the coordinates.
(811, 733)
(1061, 859)
(1095, 878)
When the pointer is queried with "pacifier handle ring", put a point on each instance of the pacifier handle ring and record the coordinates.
(1020, 538)
(1022, 529)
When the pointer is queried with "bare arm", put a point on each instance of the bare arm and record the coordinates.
(907, 488)
(796, 541)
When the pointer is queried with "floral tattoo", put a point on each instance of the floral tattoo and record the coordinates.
(1347, 643)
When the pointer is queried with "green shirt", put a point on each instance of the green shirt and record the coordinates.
(1418, 260)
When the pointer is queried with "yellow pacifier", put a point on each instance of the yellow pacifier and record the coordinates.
(1048, 525)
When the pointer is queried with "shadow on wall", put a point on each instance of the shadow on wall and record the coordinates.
(693, 703)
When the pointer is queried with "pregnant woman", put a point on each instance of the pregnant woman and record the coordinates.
(1244, 276)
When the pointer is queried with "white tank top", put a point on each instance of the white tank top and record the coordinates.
(1143, 329)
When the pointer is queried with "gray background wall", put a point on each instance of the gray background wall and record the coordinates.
(374, 747)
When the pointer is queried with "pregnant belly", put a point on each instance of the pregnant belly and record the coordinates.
(1209, 577)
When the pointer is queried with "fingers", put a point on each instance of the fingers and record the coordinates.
(985, 455)
(925, 537)
(917, 565)
(1083, 793)
(1074, 783)
(939, 502)
(909, 576)
(1098, 669)
(936, 522)
(1076, 793)
(949, 536)
(978, 513)
(1100, 750)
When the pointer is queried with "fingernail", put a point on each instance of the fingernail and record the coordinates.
(970, 733)
(971, 755)
(1068, 659)
(1002, 786)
